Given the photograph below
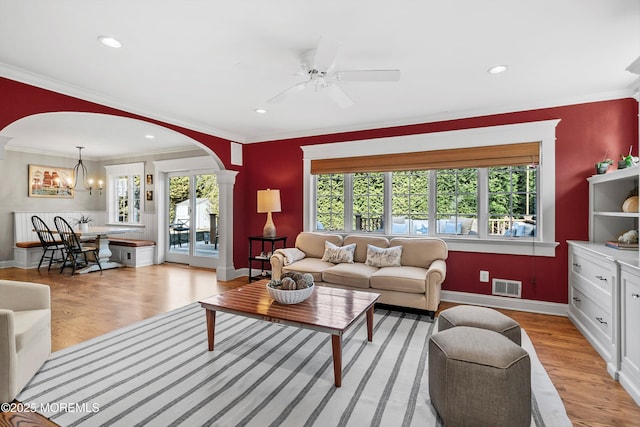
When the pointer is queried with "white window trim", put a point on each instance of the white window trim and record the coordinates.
(113, 172)
(543, 131)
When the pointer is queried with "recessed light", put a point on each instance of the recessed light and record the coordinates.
(497, 69)
(149, 136)
(110, 41)
(261, 111)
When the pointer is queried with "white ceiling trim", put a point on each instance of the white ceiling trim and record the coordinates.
(71, 90)
(65, 88)
(471, 113)
(101, 158)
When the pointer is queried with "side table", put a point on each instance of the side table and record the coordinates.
(262, 257)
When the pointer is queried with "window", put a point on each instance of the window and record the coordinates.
(410, 202)
(368, 201)
(512, 201)
(456, 200)
(124, 190)
(510, 209)
(476, 188)
(330, 202)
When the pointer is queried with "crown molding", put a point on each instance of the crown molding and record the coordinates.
(65, 88)
(145, 153)
(453, 115)
(43, 82)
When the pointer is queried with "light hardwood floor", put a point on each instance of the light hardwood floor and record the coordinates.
(86, 306)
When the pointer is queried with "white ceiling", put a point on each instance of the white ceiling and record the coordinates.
(207, 65)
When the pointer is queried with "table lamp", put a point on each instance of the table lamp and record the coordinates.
(269, 201)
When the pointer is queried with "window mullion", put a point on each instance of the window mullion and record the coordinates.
(433, 205)
(387, 215)
(348, 202)
(483, 202)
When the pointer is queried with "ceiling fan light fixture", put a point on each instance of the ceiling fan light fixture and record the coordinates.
(260, 111)
(110, 42)
(497, 69)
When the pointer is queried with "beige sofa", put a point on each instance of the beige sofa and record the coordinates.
(25, 334)
(415, 283)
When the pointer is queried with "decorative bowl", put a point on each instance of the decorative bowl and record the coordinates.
(290, 297)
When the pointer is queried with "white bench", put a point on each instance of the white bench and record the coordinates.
(132, 252)
(129, 252)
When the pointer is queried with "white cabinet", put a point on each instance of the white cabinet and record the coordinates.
(629, 374)
(593, 299)
(603, 280)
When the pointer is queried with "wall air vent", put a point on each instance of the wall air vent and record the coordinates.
(507, 288)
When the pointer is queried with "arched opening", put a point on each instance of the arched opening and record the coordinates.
(109, 140)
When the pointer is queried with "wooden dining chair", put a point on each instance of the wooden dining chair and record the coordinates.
(76, 252)
(50, 246)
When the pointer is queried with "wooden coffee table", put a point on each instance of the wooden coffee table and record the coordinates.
(327, 310)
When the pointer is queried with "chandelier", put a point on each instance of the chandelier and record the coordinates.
(81, 169)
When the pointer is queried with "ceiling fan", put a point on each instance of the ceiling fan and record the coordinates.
(318, 65)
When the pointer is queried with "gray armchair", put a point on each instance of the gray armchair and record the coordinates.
(25, 334)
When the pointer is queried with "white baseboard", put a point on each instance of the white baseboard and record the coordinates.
(7, 264)
(542, 307)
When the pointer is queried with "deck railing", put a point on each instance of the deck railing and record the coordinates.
(497, 226)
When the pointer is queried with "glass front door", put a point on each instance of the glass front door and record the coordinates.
(193, 219)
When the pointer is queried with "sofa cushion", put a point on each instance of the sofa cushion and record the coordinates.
(383, 257)
(361, 242)
(29, 324)
(356, 275)
(338, 254)
(420, 252)
(312, 244)
(401, 279)
(315, 266)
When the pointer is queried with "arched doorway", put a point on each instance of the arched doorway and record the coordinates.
(57, 134)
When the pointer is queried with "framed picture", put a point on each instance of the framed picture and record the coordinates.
(50, 181)
(149, 195)
(149, 179)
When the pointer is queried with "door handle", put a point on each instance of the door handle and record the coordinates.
(599, 319)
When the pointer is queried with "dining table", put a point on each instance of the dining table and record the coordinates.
(101, 234)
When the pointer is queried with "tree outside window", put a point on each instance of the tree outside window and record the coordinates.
(330, 202)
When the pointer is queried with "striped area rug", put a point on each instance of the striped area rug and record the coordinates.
(158, 372)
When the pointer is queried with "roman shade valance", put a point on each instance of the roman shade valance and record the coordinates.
(472, 157)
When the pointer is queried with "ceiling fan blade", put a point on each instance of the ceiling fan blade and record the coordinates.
(368, 75)
(326, 53)
(339, 96)
(285, 93)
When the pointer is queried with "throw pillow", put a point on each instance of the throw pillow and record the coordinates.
(383, 257)
(338, 254)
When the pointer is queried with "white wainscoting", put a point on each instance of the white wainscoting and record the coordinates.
(23, 228)
(133, 257)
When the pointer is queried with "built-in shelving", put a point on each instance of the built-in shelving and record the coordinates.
(604, 283)
(607, 193)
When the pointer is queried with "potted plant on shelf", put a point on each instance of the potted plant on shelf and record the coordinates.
(603, 166)
(83, 222)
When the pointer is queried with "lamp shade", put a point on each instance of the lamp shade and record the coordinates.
(268, 201)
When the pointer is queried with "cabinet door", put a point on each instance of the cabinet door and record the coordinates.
(631, 322)
(630, 326)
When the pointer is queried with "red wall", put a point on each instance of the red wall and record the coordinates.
(584, 134)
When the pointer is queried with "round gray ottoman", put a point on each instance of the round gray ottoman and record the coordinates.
(480, 317)
(478, 377)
